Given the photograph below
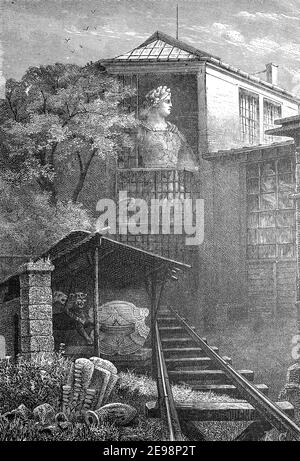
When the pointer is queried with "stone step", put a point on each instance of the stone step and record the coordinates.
(163, 311)
(173, 330)
(167, 321)
(205, 376)
(175, 341)
(227, 389)
(178, 352)
(202, 362)
(217, 411)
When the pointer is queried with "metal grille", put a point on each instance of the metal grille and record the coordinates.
(158, 184)
(249, 117)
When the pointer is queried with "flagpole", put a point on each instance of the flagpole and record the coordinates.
(177, 21)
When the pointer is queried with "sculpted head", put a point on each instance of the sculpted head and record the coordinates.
(159, 101)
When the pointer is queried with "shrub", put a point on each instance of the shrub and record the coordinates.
(32, 382)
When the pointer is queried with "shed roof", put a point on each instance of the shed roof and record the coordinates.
(119, 263)
(284, 146)
(289, 126)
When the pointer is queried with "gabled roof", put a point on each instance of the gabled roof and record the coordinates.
(162, 47)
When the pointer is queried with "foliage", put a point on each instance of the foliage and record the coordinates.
(20, 430)
(59, 118)
(32, 383)
(31, 223)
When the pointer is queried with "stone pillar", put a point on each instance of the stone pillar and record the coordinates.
(36, 309)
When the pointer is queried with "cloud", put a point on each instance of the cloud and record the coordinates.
(291, 50)
(258, 16)
(2, 79)
(262, 45)
(217, 31)
(295, 74)
(227, 32)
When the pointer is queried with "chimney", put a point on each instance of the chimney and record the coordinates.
(272, 73)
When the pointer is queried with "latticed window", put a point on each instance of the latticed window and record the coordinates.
(272, 112)
(249, 117)
(271, 214)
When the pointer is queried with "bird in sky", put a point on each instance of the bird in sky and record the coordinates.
(87, 28)
(93, 11)
(67, 39)
(81, 46)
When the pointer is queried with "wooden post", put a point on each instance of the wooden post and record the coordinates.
(153, 287)
(96, 302)
(297, 212)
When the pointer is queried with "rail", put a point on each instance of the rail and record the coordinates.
(165, 395)
(267, 409)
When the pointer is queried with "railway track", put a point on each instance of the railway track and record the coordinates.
(182, 356)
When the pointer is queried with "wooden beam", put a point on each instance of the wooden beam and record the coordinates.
(217, 411)
(254, 432)
(192, 431)
(96, 301)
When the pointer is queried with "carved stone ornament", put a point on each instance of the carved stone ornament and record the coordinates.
(89, 385)
(122, 328)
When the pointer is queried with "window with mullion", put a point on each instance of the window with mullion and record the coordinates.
(249, 117)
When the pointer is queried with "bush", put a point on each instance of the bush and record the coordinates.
(32, 383)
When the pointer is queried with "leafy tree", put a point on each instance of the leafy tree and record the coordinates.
(61, 117)
(30, 223)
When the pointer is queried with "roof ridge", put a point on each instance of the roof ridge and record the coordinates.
(158, 35)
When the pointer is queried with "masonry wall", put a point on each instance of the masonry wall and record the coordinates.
(259, 288)
(10, 326)
(229, 221)
(223, 109)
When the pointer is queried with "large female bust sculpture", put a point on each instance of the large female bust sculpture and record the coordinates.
(160, 143)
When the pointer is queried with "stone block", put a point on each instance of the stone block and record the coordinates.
(36, 312)
(37, 344)
(38, 266)
(38, 279)
(36, 295)
(37, 355)
(36, 327)
(293, 374)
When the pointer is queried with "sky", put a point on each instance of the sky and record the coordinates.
(244, 33)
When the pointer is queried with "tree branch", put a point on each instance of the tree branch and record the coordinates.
(80, 162)
(82, 176)
(14, 112)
